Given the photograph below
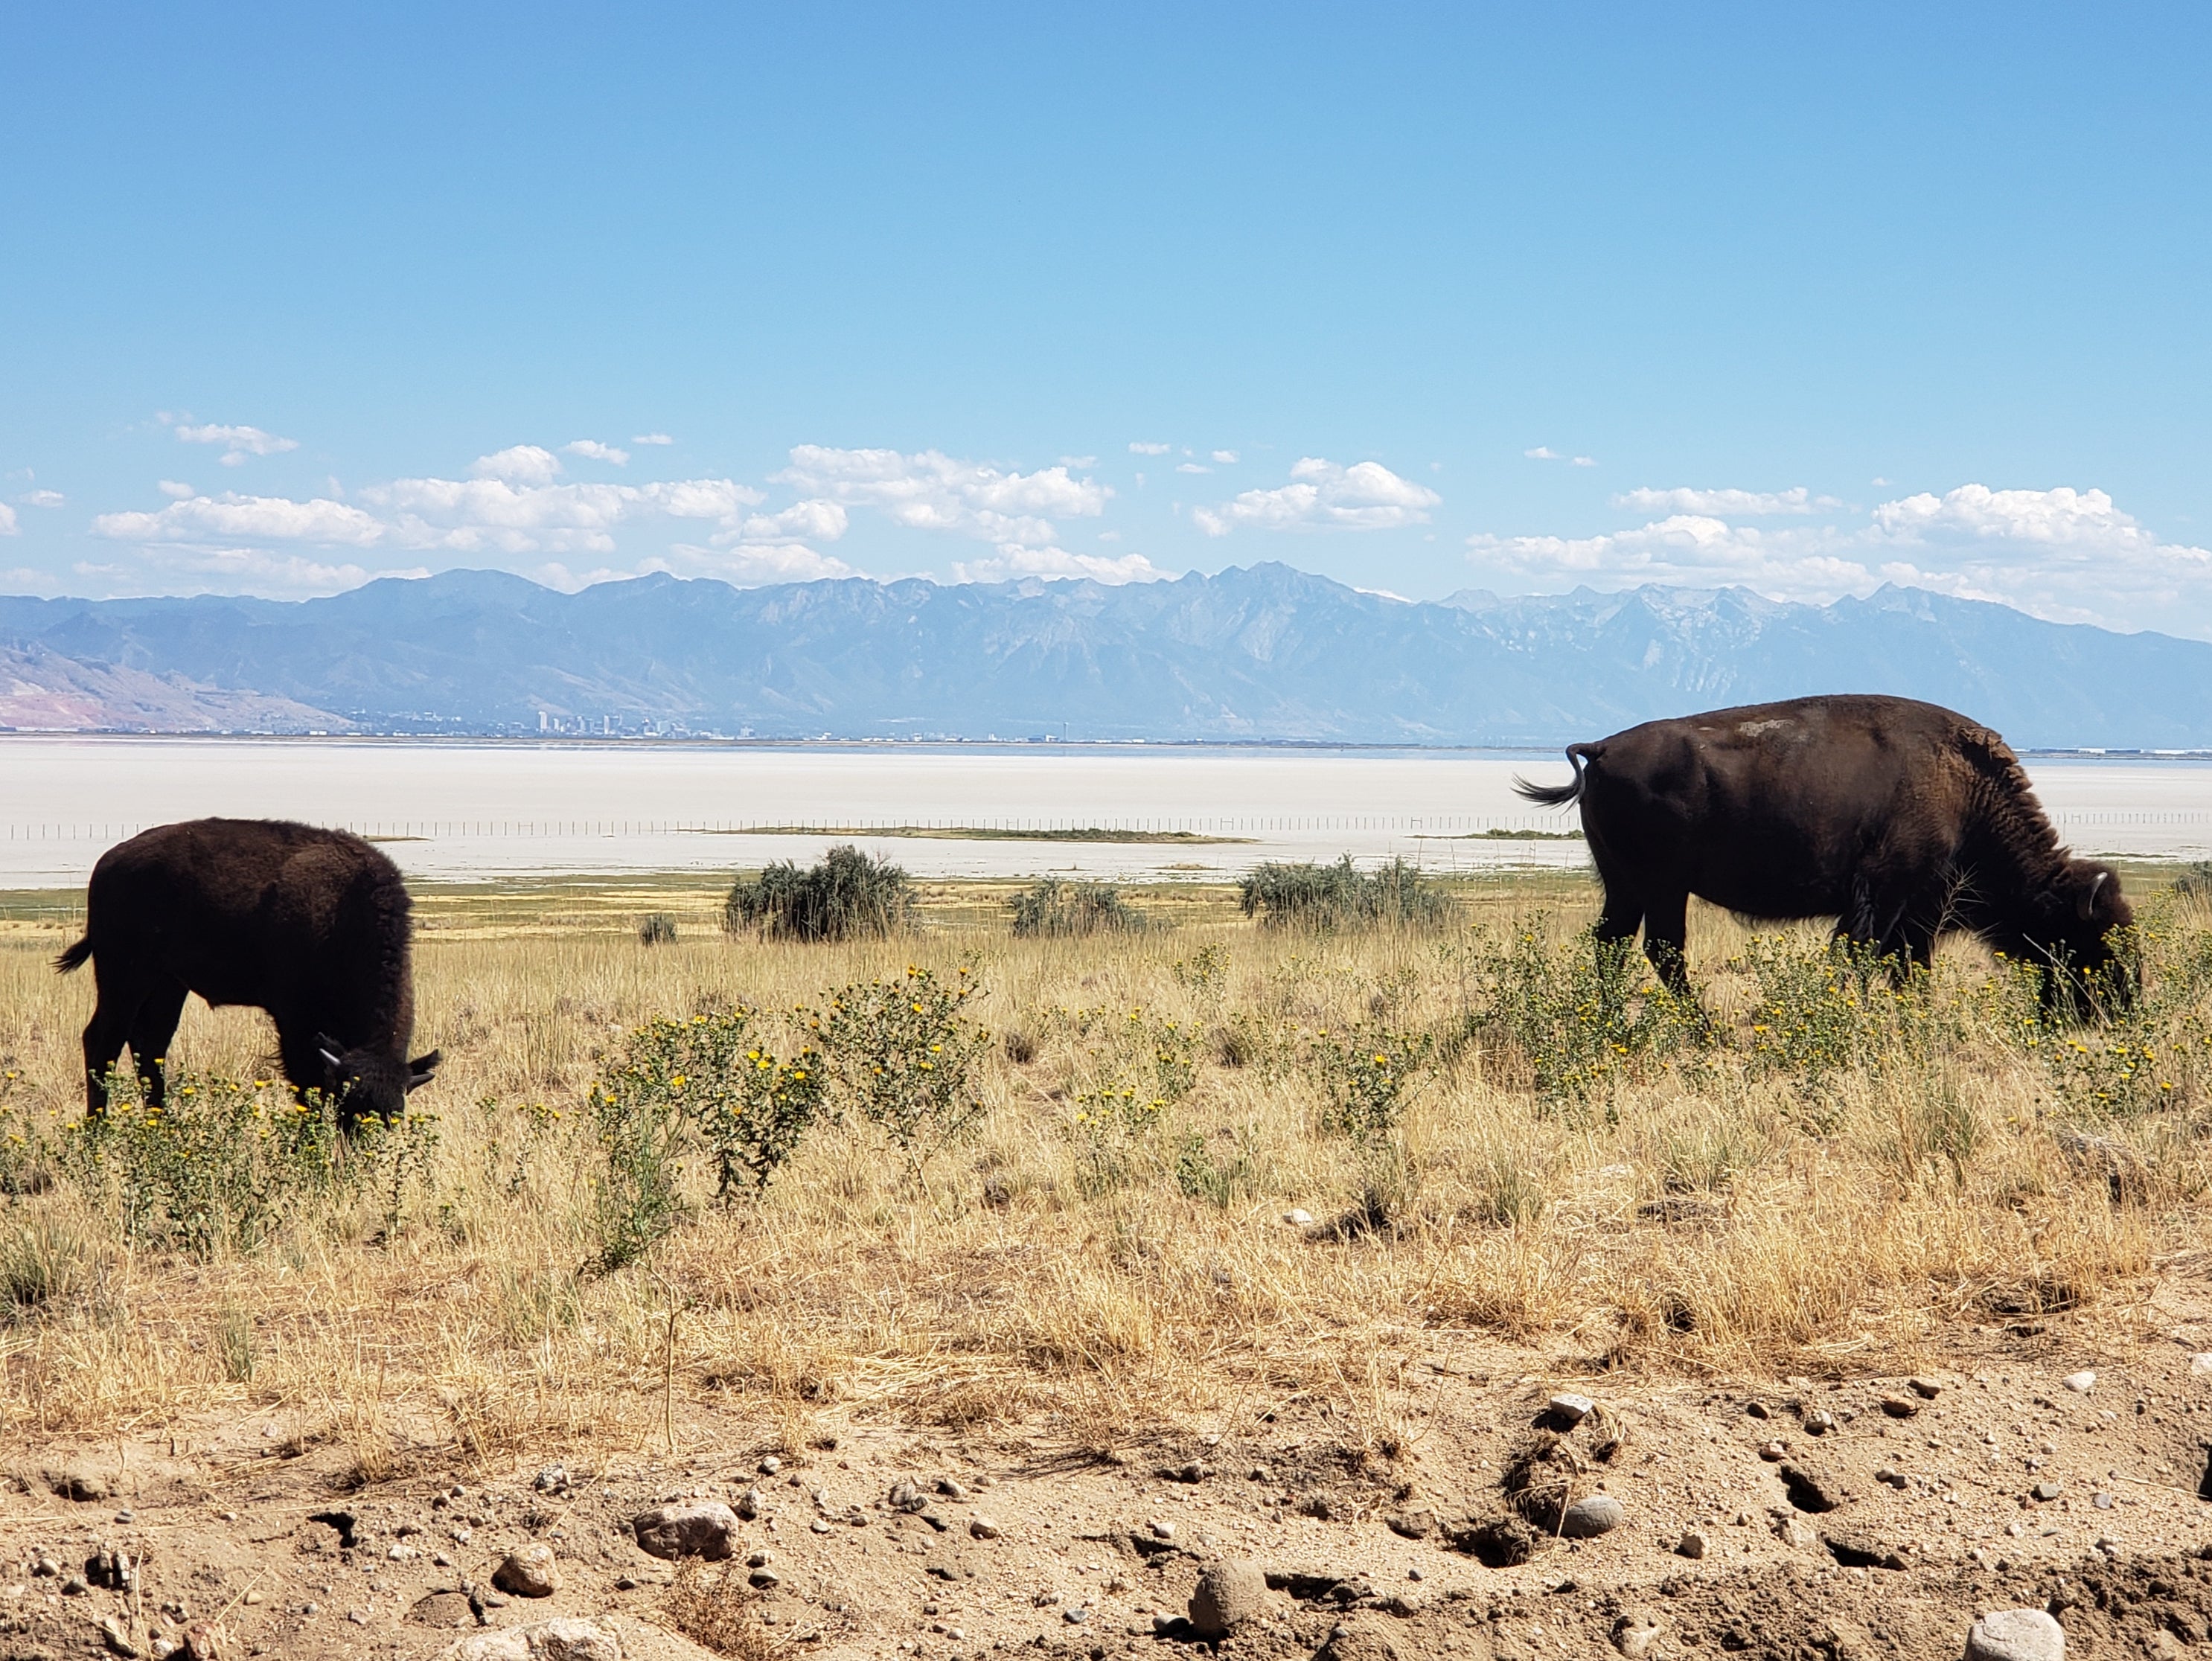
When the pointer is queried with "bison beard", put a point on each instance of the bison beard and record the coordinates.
(1900, 819)
(311, 926)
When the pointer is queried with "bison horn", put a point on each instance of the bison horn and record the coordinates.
(422, 1068)
(327, 1047)
(2089, 899)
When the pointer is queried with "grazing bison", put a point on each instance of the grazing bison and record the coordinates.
(1899, 819)
(309, 924)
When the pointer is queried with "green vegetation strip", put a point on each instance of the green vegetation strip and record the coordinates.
(985, 833)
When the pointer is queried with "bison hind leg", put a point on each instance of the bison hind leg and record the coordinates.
(1666, 942)
(151, 1030)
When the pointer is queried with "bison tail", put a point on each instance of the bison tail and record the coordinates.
(75, 957)
(1558, 796)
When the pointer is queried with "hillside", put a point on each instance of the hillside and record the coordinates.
(1266, 652)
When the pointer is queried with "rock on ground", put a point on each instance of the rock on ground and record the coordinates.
(548, 1640)
(706, 1529)
(1587, 1519)
(2017, 1635)
(1230, 1593)
(528, 1571)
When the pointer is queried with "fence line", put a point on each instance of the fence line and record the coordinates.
(1229, 825)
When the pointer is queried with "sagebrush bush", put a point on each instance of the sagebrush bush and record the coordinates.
(846, 896)
(658, 930)
(1342, 898)
(1054, 908)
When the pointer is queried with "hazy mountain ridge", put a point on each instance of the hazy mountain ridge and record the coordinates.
(1263, 652)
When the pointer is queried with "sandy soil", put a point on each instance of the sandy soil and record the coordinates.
(1935, 1519)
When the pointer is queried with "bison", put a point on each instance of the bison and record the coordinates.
(1901, 820)
(309, 924)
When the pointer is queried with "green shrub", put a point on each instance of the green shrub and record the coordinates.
(1342, 897)
(1053, 908)
(658, 930)
(706, 1088)
(1364, 1075)
(1572, 1014)
(900, 1054)
(848, 896)
(221, 1166)
(2196, 881)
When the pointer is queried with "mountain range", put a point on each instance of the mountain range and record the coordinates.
(1258, 653)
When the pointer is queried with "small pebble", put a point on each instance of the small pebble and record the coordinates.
(1075, 1617)
(2102, 1501)
(982, 1527)
(1296, 1218)
(1757, 1410)
(1772, 1452)
(1163, 1530)
(1891, 1474)
(2048, 1490)
(1690, 1545)
(1900, 1407)
(2201, 1365)
(2080, 1383)
(1819, 1421)
(1926, 1389)
(770, 1465)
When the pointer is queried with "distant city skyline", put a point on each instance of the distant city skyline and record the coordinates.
(1420, 298)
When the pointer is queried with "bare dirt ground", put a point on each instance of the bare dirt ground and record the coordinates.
(1021, 1546)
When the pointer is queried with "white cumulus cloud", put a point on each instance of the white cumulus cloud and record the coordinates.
(753, 565)
(519, 463)
(231, 518)
(8, 525)
(2066, 554)
(1145, 447)
(1542, 453)
(1052, 562)
(238, 442)
(1725, 504)
(1226, 458)
(596, 451)
(932, 491)
(43, 499)
(651, 438)
(1323, 496)
(806, 521)
(1193, 467)
(176, 488)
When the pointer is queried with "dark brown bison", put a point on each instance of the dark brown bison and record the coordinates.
(310, 924)
(1900, 819)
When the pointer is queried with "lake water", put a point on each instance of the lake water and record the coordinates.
(508, 809)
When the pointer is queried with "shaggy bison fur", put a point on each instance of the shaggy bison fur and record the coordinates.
(311, 926)
(1901, 820)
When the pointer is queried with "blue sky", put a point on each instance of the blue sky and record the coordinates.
(1420, 297)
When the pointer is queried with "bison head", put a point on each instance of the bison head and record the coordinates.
(2080, 919)
(366, 1080)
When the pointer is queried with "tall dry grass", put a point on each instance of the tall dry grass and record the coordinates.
(1703, 1203)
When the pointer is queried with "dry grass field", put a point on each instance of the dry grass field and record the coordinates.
(1385, 1188)
(1832, 1177)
